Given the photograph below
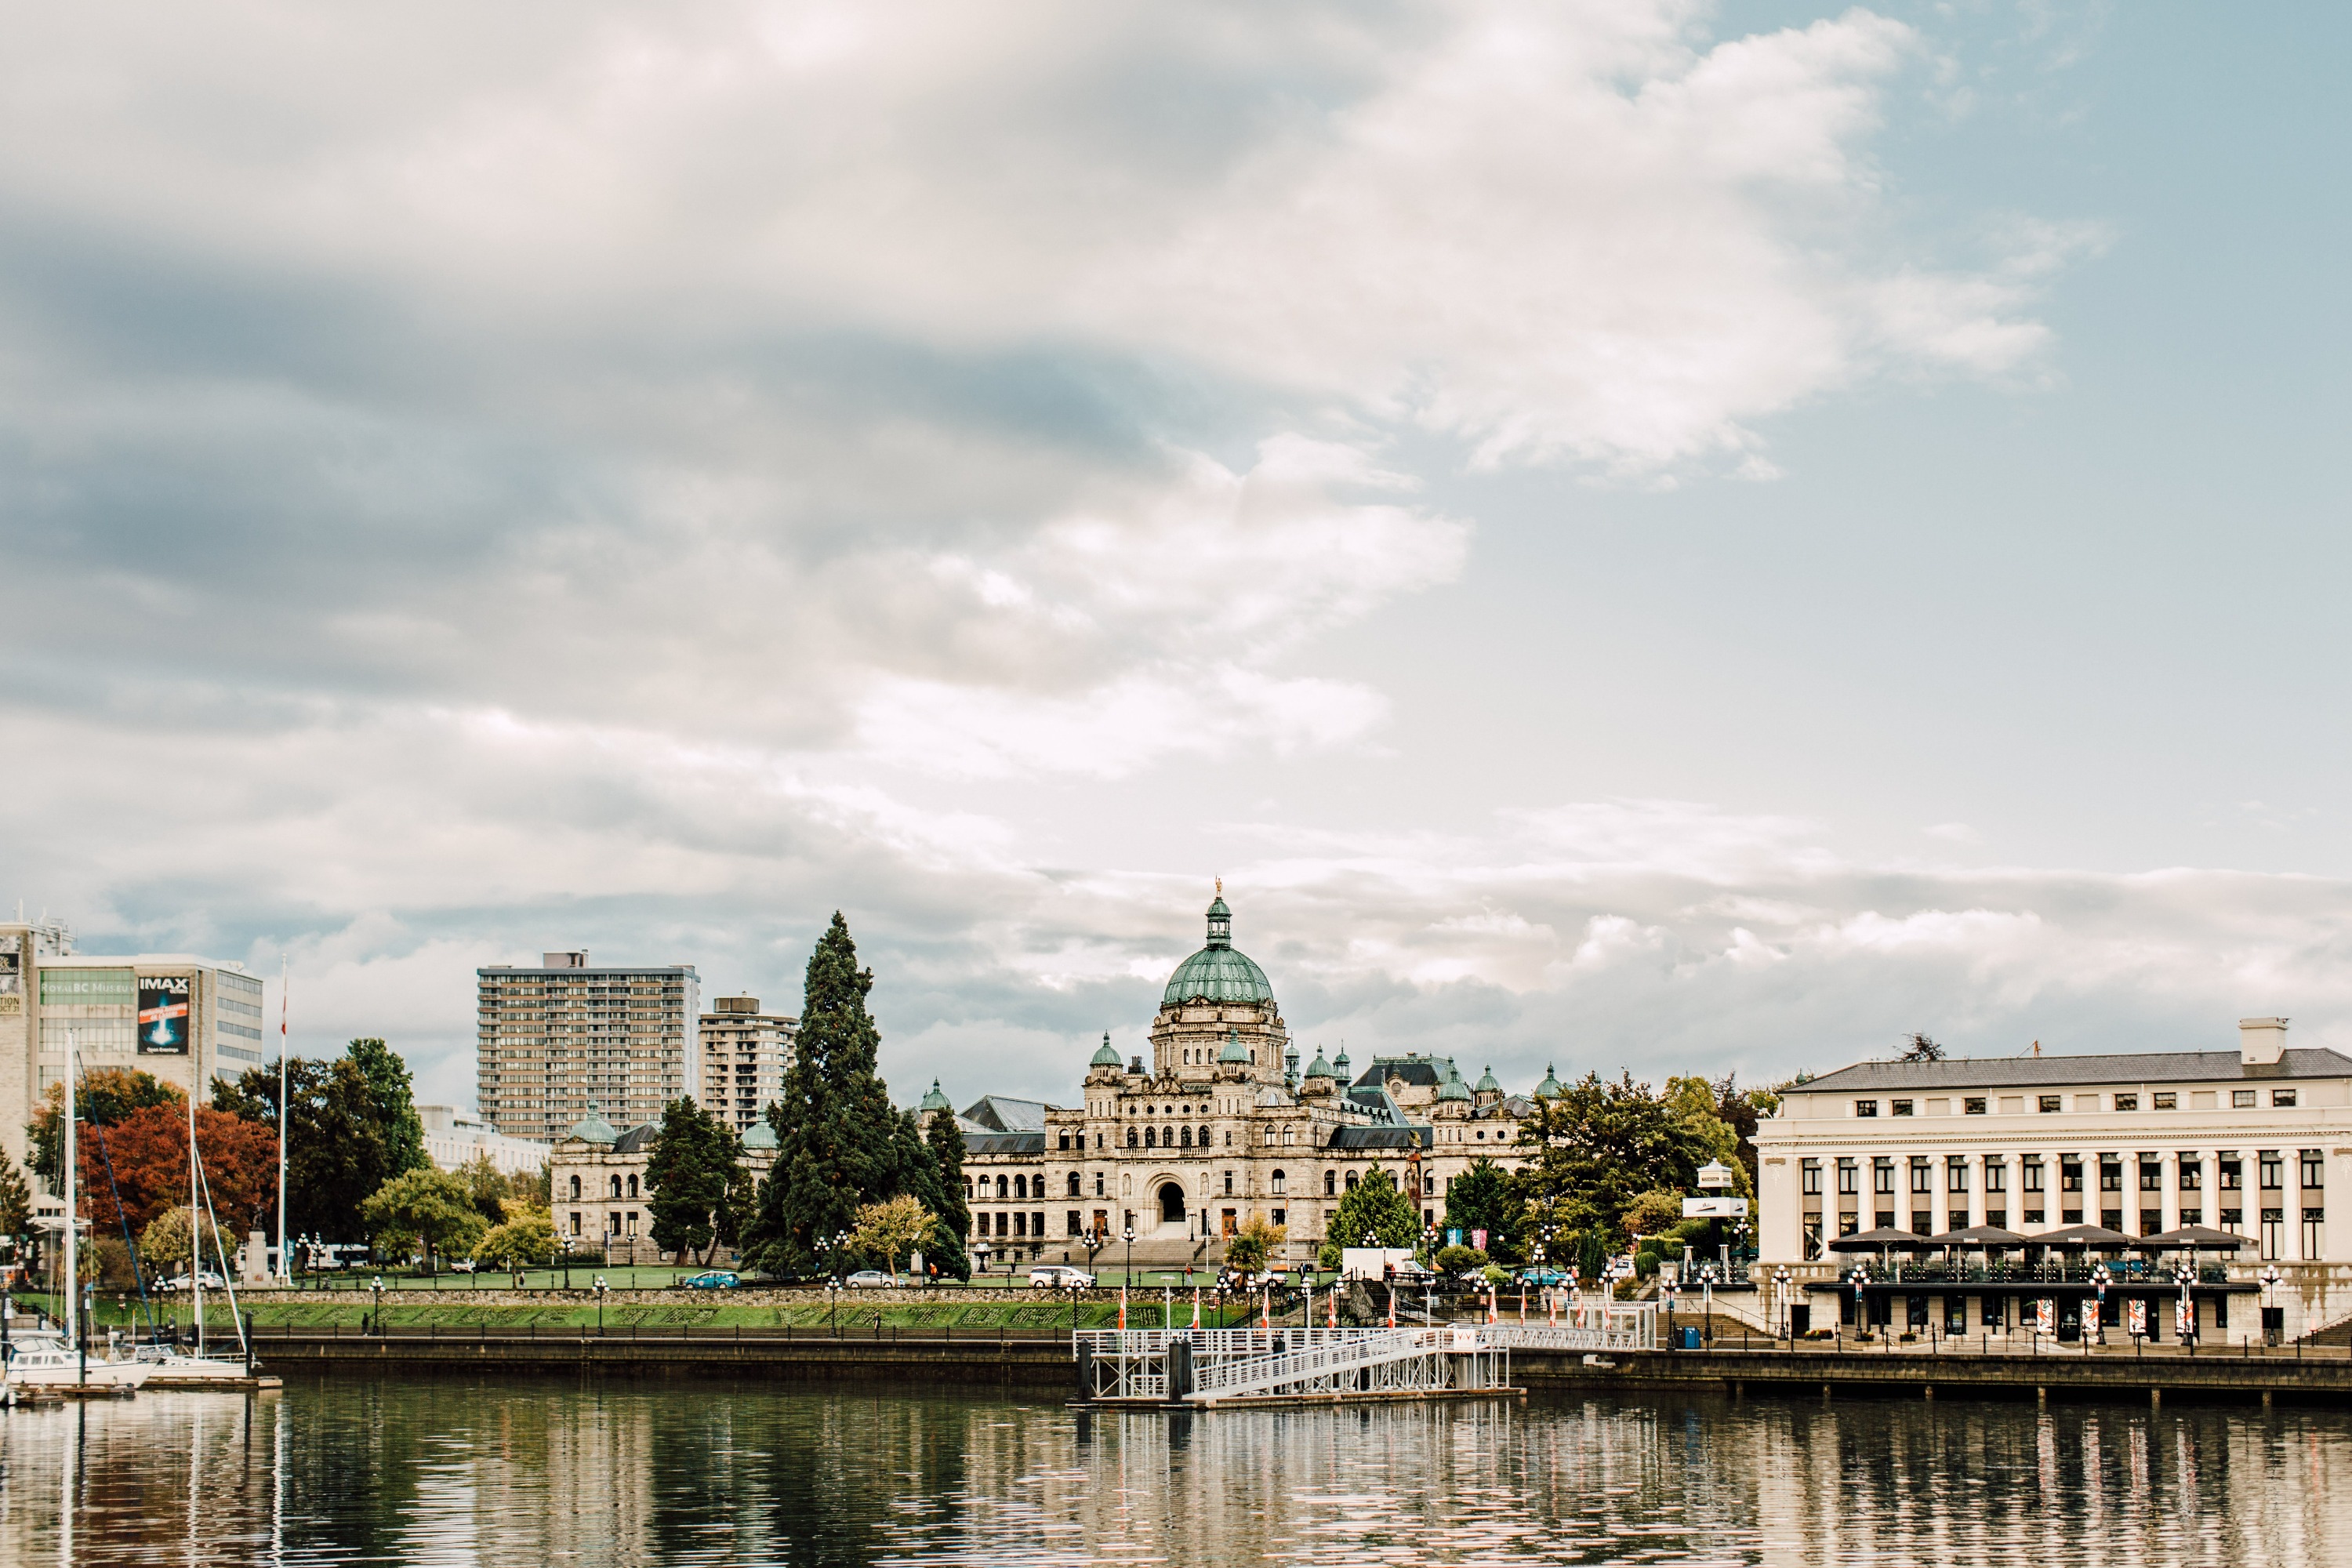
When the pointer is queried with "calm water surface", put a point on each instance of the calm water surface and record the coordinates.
(526, 1473)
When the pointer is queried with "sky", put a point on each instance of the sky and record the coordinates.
(1631, 535)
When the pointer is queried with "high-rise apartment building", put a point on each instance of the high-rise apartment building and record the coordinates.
(554, 1039)
(744, 1054)
(184, 1019)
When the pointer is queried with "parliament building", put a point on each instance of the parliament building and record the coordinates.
(1220, 1125)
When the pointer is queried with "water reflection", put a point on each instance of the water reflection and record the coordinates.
(525, 1473)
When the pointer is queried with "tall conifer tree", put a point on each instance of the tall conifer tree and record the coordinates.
(840, 1143)
(945, 1141)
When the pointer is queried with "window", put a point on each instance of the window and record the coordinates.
(1073, 1191)
(1204, 1137)
(1974, 1105)
(616, 1187)
(1923, 1174)
(1130, 1138)
(1849, 1178)
(2313, 1171)
(1021, 1186)
(1281, 1217)
(1351, 1181)
(2232, 1174)
(1330, 1180)
(1956, 1173)
(2111, 1175)
(1277, 1179)
(2315, 1232)
(1065, 1142)
(2282, 1097)
(575, 1189)
(1021, 1225)
(2032, 1167)
(1075, 1224)
(1882, 1174)
(2274, 1169)
(1902, 1108)
(1150, 1133)
(2128, 1103)
(2151, 1177)
(1996, 1176)
(1187, 1138)
(1098, 1184)
(1004, 1187)
(1229, 1183)
(2242, 1099)
(2273, 1232)
(2049, 1101)
(1810, 1177)
(1865, 1107)
(2166, 1100)
(2070, 1174)
(632, 1186)
(2192, 1174)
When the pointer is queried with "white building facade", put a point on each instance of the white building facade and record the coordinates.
(745, 1054)
(2250, 1142)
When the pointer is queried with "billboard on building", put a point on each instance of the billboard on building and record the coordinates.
(165, 1020)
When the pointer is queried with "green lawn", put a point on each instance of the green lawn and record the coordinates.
(714, 1312)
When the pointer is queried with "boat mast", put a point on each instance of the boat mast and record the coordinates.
(73, 1208)
(285, 1259)
(195, 1210)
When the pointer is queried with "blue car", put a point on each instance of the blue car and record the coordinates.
(717, 1280)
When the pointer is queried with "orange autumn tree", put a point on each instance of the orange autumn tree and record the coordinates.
(149, 1150)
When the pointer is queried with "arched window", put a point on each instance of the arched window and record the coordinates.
(1074, 1185)
(632, 1186)
(1187, 1137)
(1150, 1135)
(1003, 1189)
(1351, 1181)
(1130, 1137)
(575, 1189)
(1204, 1137)
(616, 1187)
(1330, 1180)
(1020, 1186)
(1278, 1188)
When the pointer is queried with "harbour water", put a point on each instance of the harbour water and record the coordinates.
(529, 1472)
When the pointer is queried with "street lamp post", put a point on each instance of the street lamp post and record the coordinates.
(600, 1306)
(1127, 1274)
(1780, 1294)
(378, 1287)
(1707, 1275)
(2099, 1278)
(2269, 1279)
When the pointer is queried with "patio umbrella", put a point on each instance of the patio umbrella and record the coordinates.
(1979, 1239)
(2095, 1237)
(2192, 1239)
(1885, 1238)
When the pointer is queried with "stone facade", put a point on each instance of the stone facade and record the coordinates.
(602, 1202)
(1220, 1126)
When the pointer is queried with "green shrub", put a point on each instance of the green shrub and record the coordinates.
(1645, 1263)
(1459, 1260)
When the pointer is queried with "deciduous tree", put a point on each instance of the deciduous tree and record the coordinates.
(148, 1150)
(104, 1097)
(346, 1136)
(16, 1201)
(428, 1208)
(890, 1230)
(1255, 1242)
(523, 1238)
(1374, 1208)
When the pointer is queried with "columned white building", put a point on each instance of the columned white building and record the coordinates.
(2248, 1142)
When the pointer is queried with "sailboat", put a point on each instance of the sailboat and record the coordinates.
(52, 1361)
(171, 1367)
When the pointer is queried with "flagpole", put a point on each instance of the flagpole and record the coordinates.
(285, 1263)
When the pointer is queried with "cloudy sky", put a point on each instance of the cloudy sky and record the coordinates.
(1635, 532)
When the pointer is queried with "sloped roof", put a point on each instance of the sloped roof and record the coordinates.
(1001, 1113)
(1380, 1138)
(2040, 1072)
(637, 1139)
(1421, 1071)
(1004, 1142)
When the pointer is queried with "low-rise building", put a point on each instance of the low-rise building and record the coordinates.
(455, 1137)
(600, 1195)
(2248, 1141)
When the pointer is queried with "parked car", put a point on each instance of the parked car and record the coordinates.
(211, 1281)
(870, 1279)
(461, 1264)
(1060, 1277)
(715, 1279)
(1543, 1277)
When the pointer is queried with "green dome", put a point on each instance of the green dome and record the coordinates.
(1106, 1056)
(1486, 1084)
(1318, 1067)
(935, 1101)
(1453, 1088)
(1549, 1088)
(1235, 1050)
(761, 1136)
(594, 1129)
(1217, 972)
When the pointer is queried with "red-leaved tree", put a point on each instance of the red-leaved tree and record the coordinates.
(148, 1150)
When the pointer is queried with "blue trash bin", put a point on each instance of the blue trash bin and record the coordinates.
(1690, 1339)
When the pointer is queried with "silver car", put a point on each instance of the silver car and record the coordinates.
(870, 1279)
(1061, 1276)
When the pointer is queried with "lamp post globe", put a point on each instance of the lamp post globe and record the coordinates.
(1127, 1234)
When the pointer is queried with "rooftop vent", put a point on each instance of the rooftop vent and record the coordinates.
(576, 959)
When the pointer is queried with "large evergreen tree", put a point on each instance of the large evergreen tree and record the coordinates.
(946, 1143)
(841, 1144)
(690, 1168)
(1481, 1199)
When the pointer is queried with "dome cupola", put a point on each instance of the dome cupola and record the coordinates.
(1235, 1050)
(1105, 1056)
(1217, 972)
(1488, 1083)
(1453, 1088)
(1549, 1088)
(594, 1129)
(935, 1101)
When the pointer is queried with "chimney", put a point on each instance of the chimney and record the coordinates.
(2261, 1041)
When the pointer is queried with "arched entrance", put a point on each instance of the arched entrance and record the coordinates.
(1171, 1204)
